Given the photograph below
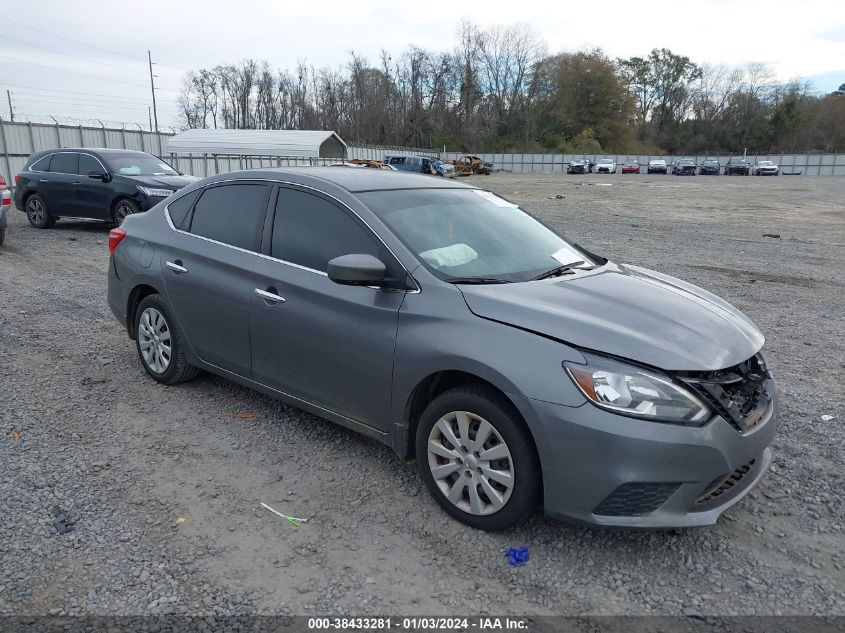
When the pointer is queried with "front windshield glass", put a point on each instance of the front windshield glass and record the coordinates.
(137, 164)
(765, 163)
(605, 161)
(459, 233)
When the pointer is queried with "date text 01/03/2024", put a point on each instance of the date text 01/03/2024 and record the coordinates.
(418, 623)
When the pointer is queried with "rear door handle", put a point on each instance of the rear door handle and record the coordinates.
(269, 296)
(176, 266)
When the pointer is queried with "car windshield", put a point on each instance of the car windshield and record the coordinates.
(765, 163)
(460, 233)
(737, 160)
(137, 164)
(657, 162)
(685, 161)
(605, 161)
(710, 162)
(631, 163)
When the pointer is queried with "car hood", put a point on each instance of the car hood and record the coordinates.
(171, 182)
(625, 311)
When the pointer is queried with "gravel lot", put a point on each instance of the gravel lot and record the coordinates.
(164, 484)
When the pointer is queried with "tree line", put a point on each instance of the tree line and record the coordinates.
(500, 90)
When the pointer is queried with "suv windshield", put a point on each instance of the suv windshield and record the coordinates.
(472, 234)
(136, 164)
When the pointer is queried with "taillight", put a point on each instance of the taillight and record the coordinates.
(115, 237)
(6, 197)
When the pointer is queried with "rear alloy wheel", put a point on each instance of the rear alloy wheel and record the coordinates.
(123, 209)
(477, 458)
(160, 343)
(37, 213)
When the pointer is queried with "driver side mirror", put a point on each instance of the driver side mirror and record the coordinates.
(98, 175)
(357, 270)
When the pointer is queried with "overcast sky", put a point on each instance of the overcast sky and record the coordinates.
(88, 60)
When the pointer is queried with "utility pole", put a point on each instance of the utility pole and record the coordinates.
(153, 89)
(150, 114)
(11, 111)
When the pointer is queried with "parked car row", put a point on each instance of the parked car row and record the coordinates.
(681, 167)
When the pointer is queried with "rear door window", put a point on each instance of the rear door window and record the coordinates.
(64, 163)
(231, 214)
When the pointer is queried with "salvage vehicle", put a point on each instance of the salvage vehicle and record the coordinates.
(579, 166)
(657, 166)
(606, 166)
(631, 167)
(5, 205)
(443, 169)
(710, 167)
(101, 184)
(470, 164)
(766, 168)
(684, 167)
(737, 165)
(451, 325)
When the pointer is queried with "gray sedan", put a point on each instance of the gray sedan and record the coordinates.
(443, 320)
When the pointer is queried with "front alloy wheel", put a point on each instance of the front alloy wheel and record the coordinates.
(477, 457)
(470, 463)
(123, 209)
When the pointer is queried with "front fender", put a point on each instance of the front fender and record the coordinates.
(437, 332)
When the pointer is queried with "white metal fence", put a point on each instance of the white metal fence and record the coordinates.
(806, 164)
(19, 140)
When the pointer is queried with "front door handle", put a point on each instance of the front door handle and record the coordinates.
(269, 296)
(176, 266)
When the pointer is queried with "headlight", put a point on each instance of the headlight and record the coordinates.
(637, 392)
(151, 192)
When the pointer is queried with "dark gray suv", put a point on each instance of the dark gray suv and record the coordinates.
(451, 325)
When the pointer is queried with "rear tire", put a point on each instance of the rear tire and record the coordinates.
(160, 343)
(488, 494)
(37, 213)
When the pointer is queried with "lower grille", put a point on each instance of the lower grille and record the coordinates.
(635, 499)
(724, 484)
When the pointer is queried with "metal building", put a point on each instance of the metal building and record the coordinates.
(302, 144)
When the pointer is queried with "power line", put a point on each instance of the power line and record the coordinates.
(85, 94)
(85, 59)
(104, 50)
(72, 72)
(73, 102)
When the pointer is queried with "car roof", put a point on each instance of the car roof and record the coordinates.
(353, 180)
(91, 150)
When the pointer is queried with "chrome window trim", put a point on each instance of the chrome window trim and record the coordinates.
(415, 290)
(64, 173)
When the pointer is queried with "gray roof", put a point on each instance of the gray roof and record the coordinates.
(353, 180)
(285, 143)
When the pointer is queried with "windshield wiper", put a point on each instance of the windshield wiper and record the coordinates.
(554, 272)
(476, 280)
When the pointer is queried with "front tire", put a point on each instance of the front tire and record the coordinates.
(477, 458)
(37, 213)
(160, 343)
(123, 209)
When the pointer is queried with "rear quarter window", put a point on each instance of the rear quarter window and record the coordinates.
(42, 164)
(178, 209)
